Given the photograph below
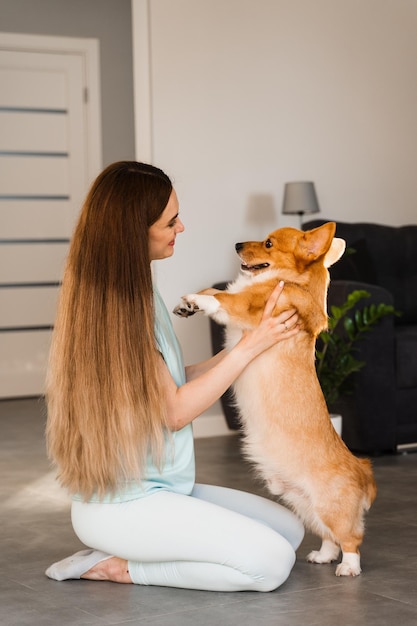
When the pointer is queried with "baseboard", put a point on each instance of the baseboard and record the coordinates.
(216, 426)
(211, 426)
(403, 448)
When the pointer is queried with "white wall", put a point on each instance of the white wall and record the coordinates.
(249, 94)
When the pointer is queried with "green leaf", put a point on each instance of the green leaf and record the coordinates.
(335, 360)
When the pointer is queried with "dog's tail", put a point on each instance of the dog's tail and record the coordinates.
(370, 488)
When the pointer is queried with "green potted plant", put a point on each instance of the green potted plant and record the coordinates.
(336, 346)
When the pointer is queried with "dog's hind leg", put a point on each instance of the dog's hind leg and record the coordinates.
(351, 562)
(351, 536)
(350, 565)
(328, 552)
(344, 531)
(349, 532)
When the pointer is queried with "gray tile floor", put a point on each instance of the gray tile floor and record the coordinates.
(36, 530)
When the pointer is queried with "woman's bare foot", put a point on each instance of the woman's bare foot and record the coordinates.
(113, 569)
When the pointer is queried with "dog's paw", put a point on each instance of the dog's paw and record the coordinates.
(350, 565)
(195, 302)
(316, 556)
(186, 307)
(328, 552)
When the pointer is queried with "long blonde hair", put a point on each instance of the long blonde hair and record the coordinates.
(105, 407)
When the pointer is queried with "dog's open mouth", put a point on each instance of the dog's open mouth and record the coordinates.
(253, 268)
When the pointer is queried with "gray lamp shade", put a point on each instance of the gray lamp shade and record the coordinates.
(300, 198)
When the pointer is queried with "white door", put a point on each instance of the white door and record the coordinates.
(46, 158)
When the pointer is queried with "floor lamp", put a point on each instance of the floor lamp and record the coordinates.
(300, 198)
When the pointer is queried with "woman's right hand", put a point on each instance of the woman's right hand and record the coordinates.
(272, 329)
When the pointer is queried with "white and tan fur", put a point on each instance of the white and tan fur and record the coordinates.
(288, 433)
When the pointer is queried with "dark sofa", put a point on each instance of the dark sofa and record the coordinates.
(381, 413)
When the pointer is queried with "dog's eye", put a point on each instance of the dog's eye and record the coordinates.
(268, 243)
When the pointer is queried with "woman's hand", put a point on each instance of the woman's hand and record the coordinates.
(288, 319)
(272, 329)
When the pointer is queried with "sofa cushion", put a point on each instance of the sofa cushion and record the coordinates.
(406, 356)
(356, 264)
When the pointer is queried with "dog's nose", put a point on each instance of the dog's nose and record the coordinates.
(238, 246)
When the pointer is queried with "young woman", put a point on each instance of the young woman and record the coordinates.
(121, 404)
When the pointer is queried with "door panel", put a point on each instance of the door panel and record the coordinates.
(35, 219)
(33, 132)
(32, 80)
(40, 176)
(28, 307)
(24, 263)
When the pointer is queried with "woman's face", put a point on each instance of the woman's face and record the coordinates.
(163, 232)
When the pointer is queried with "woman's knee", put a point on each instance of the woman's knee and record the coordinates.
(276, 566)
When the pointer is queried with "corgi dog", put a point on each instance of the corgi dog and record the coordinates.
(288, 434)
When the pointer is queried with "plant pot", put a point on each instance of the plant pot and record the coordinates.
(336, 420)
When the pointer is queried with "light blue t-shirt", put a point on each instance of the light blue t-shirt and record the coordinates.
(178, 471)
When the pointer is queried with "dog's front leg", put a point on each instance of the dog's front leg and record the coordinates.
(204, 301)
(328, 552)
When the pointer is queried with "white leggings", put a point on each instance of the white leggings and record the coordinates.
(216, 539)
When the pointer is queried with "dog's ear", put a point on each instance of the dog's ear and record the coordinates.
(335, 251)
(315, 243)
